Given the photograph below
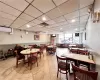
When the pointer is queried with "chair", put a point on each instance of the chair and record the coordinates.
(19, 58)
(83, 52)
(63, 66)
(74, 51)
(80, 74)
(41, 51)
(32, 59)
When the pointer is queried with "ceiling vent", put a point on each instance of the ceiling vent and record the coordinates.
(44, 24)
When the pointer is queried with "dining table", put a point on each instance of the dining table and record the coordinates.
(64, 52)
(28, 52)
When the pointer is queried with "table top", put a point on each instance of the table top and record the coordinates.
(51, 46)
(66, 53)
(28, 51)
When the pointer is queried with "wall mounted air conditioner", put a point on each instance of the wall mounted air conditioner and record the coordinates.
(5, 29)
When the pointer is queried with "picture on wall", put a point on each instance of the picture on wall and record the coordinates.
(36, 37)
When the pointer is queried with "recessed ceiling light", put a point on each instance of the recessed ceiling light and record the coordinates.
(60, 28)
(73, 20)
(44, 18)
(26, 32)
(28, 26)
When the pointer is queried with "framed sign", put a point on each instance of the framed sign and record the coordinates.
(36, 37)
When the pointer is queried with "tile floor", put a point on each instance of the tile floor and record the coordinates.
(47, 70)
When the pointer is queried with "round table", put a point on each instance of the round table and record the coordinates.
(29, 51)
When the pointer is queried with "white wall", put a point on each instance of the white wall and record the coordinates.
(6, 38)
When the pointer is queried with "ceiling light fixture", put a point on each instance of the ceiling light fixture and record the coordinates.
(60, 28)
(73, 20)
(44, 18)
(28, 26)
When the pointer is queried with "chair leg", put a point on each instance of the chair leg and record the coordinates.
(16, 63)
(37, 61)
(66, 76)
(57, 73)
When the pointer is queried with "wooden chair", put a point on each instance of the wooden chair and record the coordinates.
(41, 51)
(83, 52)
(32, 59)
(19, 58)
(63, 66)
(74, 51)
(80, 74)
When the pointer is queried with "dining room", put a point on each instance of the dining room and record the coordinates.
(49, 40)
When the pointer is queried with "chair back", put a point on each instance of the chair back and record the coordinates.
(74, 51)
(80, 74)
(83, 52)
(62, 60)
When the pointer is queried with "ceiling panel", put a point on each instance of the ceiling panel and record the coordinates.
(84, 3)
(8, 16)
(84, 11)
(51, 22)
(41, 18)
(58, 2)
(72, 15)
(54, 13)
(36, 21)
(33, 11)
(5, 21)
(18, 4)
(29, 1)
(70, 20)
(26, 17)
(9, 10)
(60, 19)
(18, 23)
(45, 5)
(69, 6)
(85, 17)
(63, 23)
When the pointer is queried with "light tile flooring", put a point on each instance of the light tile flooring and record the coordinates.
(47, 70)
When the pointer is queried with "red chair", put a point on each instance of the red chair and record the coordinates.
(80, 74)
(74, 51)
(19, 58)
(83, 52)
(63, 66)
(32, 59)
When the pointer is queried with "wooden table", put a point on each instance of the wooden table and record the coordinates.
(77, 57)
(29, 51)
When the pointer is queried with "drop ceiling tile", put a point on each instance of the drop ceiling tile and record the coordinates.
(63, 23)
(8, 16)
(72, 15)
(29, 1)
(5, 22)
(51, 22)
(69, 6)
(70, 20)
(60, 19)
(84, 3)
(33, 11)
(41, 18)
(58, 2)
(18, 4)
(85, 17)
(9, 10)
(26, 17)
(18, 23)
(54, 13)
(43, 5)
(36, 21)
(84, 11)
